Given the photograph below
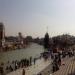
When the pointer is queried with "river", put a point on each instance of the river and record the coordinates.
(33, 50)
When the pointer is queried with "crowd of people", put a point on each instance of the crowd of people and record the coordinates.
(14, 65)
(56, 57)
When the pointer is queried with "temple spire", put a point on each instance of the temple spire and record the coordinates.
(47, 29)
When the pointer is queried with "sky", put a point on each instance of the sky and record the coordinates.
(32, 17)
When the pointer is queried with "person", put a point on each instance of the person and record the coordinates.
(59, 61)
(30, 60)
(34, 60)
(11, 69)
(55, 64)
(52, 56)
(1, 71)
(27, 62)
(23, 72)
(15, 65)
(59, 58)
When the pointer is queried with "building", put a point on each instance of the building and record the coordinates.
(2, 35)
(20, 38)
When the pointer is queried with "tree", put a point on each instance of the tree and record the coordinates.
(29, 38)
(46, 41)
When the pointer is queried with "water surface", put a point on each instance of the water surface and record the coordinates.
(33, 50)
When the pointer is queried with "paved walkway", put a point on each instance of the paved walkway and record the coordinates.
(34, 69)
(67, 67)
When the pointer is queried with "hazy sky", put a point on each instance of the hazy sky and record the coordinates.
(31, 17)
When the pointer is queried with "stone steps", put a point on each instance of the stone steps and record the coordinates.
(66, 69)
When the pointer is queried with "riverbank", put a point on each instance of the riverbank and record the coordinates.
(40, 65)
(45, 68)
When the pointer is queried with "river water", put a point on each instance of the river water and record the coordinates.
(33, 50)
